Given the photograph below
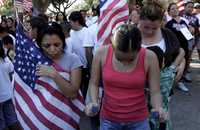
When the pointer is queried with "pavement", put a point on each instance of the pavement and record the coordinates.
(184, 107)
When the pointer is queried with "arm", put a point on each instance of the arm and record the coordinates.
(69, 89)
(180, 70)
(94, 82)
(154, 80)
(179, 58)
(89, 56)
(179, 63)
(95, 76)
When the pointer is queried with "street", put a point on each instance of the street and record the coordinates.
(185, 108)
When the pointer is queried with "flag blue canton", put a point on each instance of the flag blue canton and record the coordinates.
(102, 2)
(27, 57)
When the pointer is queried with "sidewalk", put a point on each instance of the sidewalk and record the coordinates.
(185, 108)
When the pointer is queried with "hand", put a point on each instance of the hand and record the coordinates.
(179, 70)
(92, 109)
(163, 116)
(44, 70)
(191, 29)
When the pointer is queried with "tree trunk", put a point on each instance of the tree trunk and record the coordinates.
(40, 6)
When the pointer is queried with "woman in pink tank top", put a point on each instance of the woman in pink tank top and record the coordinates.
(125, 68)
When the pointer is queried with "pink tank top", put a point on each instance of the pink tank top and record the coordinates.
(124, 98)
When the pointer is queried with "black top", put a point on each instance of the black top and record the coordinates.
(172, 46)
(175, 27)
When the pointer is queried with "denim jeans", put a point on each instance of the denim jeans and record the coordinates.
(7, 114)
(110, 125)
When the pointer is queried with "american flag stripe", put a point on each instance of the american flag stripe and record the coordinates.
(42, 114)
(180, 5)
(113, 12)
(25, 112)
(18, 3)
(77, 108)
(53, 109)
(109, 17)
(28, 125)
(62, 117)
(49, 92)
(108, 6)
(25, 4)
(111, 25)
(116, 22)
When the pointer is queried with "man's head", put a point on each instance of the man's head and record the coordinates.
(37, 23)
(189, 7)
(2, 32)
(197, 7)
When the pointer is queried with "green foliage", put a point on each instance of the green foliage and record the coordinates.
(88, 4)
(7, 8)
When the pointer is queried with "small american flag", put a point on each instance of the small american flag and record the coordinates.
(39, 104)
(24, 4)
(113, 12)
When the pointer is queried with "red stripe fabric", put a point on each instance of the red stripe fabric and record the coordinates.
(26, 119)
(34, 109)
(110, 10)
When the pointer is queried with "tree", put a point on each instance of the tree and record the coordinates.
(90, 3)
(7, 8)
(61, 5)
(87, 4)
(40, 6)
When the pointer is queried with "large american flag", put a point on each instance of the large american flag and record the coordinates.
(39, 104)
(24, 4)
(113, 13)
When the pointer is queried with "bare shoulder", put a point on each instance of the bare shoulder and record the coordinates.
(101, 53)
(150, 55)
(150, 59)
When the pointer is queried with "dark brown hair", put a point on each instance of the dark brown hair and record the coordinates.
(152, 10)
(170, 5)
(127, 37)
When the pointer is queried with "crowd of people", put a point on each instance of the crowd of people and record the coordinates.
(124, 83)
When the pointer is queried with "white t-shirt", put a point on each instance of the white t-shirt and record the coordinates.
(91, 20)
(76, 41)
(69, 61)
(68, 43)
(160, 44)
(6, 67)
(91, 37)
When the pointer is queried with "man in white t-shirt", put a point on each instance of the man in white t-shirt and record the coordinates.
(90, 43)
(77, 35)
(197, 10)
(94, 18)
